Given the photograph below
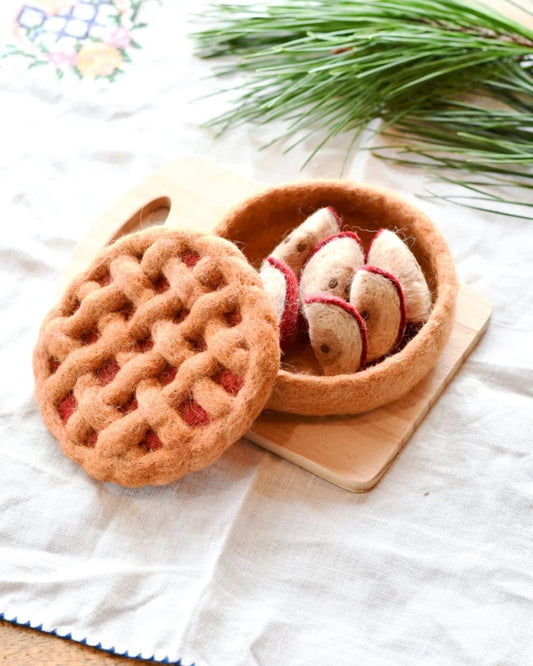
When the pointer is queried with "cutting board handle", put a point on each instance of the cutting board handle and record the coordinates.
(189, 193)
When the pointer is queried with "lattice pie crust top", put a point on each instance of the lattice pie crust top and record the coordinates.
(157, 358)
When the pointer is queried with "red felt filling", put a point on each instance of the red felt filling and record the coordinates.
(91, 439)
(167, 374)
(193, 414)
(161, 284)
(89, 338)
(198, 344)
(302, 324)
(53, 365)
(129, 406)
(233, 318)
(74, 308)
(152, 441)
(107, 372)
(180, 316)
(146, 344)
(67, 407)
(230, 382)
(190, 258)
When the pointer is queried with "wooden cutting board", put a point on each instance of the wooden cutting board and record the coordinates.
(352, 452)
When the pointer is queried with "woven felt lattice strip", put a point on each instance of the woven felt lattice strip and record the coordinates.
(157, 357)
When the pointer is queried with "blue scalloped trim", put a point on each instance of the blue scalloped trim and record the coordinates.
(83, 641)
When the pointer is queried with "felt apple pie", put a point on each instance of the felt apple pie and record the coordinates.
(157, 358)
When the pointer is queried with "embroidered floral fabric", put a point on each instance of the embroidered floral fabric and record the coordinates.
(250, 561)
(89, 38)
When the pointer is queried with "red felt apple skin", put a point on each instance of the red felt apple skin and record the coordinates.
(378, 297)
(389, 252)
(281, 284)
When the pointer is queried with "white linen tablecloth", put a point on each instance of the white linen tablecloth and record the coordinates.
(251, 561)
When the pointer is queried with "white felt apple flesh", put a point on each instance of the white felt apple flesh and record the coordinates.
(390, 253)
(330, 266)
(378, 297)
(295, 247)
(337, 334)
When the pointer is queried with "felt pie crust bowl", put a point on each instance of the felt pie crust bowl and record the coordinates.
(259, 223)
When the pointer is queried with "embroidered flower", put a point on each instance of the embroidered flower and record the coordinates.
(98, 59)
(62, 59)
(120, 38)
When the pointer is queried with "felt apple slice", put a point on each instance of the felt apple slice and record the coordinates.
(337, 334)
(378, 297)
(281, 284)
(295, 247)
(331, 264)
(389, 252)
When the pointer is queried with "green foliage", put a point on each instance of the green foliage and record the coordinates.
(451, 80)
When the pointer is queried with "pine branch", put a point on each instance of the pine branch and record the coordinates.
(336, 65)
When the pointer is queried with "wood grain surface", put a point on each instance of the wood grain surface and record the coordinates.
(20, 646)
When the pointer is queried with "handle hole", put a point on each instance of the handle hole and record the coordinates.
(152, 214)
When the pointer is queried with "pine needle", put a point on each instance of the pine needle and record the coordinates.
(337, 65)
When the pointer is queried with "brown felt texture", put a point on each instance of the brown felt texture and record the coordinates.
(337, 333)
(330, 267)
(259, 223)
(389, 252)
(157, 358)
(296, 245)
(378, 298)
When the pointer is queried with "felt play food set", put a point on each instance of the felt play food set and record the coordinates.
(331, 298)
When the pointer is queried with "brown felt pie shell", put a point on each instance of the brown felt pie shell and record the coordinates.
(157, 357)
(258, 224)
